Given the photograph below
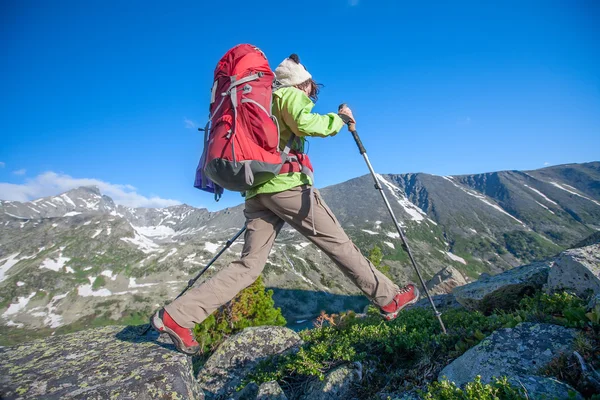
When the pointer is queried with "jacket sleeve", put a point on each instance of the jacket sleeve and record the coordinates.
(296, 111)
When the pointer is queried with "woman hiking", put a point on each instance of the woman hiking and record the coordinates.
(287, 198)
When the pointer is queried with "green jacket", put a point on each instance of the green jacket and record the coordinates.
(293, 110)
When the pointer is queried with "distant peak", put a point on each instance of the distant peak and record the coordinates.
(93, 189)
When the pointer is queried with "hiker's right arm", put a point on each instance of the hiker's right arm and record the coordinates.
(296, 111)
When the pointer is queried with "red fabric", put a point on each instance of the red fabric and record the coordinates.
(295, 166)
(401, 299)
(184, 334)
(255, 134)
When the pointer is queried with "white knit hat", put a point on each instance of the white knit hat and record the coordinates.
(290, 72)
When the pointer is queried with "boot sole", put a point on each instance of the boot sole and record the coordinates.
(160, 327)
(392, 316)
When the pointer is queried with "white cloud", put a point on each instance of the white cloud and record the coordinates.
(546, 163)
(2, 165)
(189, 124)
(50, 184)
(21, 171)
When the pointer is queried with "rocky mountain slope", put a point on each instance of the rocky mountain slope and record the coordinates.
(78, 259)
(542, 344)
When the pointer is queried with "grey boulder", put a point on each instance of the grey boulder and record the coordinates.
(517, 353)
(441, 301)
(504, 290)
(444, 281)
(103, 363)
(235, 358)
(337, 384)
(577, 270)
(270, 391)
(545, 388)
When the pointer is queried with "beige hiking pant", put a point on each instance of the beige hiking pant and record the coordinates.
(265, 216)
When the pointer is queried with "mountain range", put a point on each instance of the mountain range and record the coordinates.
(78, 259)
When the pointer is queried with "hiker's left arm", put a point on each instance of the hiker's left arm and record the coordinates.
(298, 116)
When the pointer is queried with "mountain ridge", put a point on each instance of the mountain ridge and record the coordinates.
(83, 258)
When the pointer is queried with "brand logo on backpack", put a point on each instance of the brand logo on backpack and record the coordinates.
(241, 139)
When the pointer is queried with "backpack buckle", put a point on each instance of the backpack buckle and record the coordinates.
(247, 89)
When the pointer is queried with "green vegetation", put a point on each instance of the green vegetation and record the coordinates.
(408, 352)
(500, 389)
(376, 257)
(98, 282)
(529, 247)
(253, 306)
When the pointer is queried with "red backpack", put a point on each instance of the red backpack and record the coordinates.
(241, 139)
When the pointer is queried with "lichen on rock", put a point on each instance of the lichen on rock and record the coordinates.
(503, 291)
(237, 356)
(337, 384)
(517, 353)
(104, 363)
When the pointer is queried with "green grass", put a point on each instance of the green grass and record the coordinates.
(529, 246)
(402, 353)
(98, 282)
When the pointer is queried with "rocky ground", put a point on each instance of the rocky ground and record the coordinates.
(114, 362)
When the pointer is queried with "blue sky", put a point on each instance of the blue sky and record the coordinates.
(111, 93)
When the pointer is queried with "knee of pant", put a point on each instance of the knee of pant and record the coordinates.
(253, 267)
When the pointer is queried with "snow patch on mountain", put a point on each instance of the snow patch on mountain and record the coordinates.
(454, 257)
(211, 247)
(133, 284)
(482, 198)
(15, 216)
(87, 291)
(109, 274)
(542, 195)
(415, 212)
(142, 242)
(393, 235)
(158, 232)
(55, 264)
(173, 251)
(551, 212)
(571, 189)
(305, 279)
(300, 246)
(389, 244)
(71, 214)
(370, 232)
(15, 308)
(54, 320)
(67, 199)
(8, 263)
(91, 206)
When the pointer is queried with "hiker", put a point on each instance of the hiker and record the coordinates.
(287, 198)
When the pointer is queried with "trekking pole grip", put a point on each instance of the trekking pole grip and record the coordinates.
(352, 130)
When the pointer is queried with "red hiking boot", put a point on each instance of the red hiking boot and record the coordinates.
(183, 338)
(407, 295)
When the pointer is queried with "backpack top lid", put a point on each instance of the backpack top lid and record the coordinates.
(240, 60)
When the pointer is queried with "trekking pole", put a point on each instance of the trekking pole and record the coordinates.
(378, 186)
(192, 281)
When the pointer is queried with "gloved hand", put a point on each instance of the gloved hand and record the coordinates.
(346, 114)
